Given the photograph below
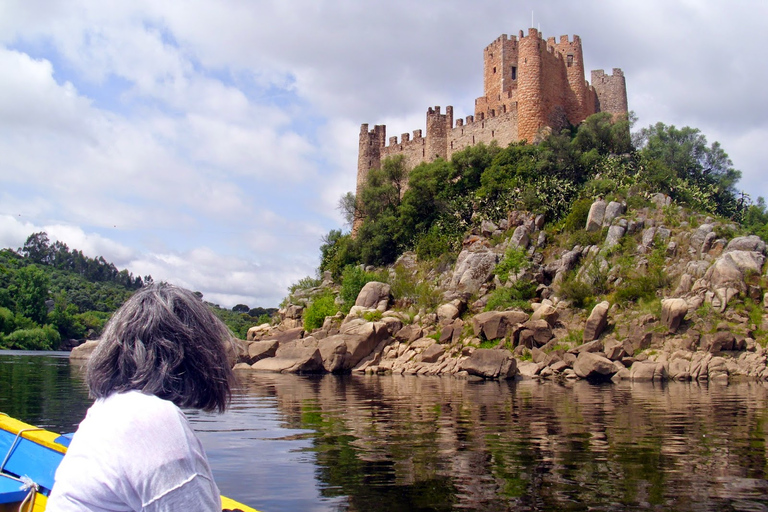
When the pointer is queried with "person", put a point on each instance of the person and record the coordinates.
(163, 350)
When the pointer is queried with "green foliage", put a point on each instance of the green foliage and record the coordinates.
(516, 296)
(352, 281)
(514, 260)
(641, 284)
(321, 307)
(576, 220)
(338, 251)
(699, 175)
(414, 289)
(37, 338)
(373, 316)
(305, 283)
(577, 291)
(31, 291)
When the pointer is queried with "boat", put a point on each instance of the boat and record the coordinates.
(30, 456)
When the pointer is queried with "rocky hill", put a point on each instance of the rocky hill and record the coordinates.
(642, 290)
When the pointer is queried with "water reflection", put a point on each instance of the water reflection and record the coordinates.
(414, 443)
(430, 444)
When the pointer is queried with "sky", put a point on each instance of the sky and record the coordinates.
(207, 142)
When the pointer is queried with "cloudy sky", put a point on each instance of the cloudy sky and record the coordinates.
(207, 142)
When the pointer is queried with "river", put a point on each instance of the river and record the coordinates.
(392, 443)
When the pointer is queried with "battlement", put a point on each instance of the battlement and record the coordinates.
(529, 83)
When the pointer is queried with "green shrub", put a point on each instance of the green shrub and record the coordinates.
(38, 338)
(577, 219)
(353, 278)
(516, 296)
(323, 306)
(514, 260)
(372, 316)
(305, 283)
(577, 291)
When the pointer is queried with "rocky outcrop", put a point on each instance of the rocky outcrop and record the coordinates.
(473, 268)
(374, 295)
(301, 356)
(490, 364)
(596, 322)
(673, 312)
(494, 325)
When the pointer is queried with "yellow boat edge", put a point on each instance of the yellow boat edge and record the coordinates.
(48, 439)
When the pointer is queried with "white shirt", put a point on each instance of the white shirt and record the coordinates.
(134, 452)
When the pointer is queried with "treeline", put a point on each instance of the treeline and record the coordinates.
(50, 295)
(600, 157)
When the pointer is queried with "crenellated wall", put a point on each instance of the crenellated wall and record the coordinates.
(529, 84)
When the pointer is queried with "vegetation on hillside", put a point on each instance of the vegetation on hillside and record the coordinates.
(50, 293)
(444, 199)
(559, 177)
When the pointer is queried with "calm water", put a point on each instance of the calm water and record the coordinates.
(420, 443)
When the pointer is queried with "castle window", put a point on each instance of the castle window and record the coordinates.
(514, 72)
(494, 69)
(569, 59)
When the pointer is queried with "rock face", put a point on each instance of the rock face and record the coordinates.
(85, 350)
(593, 366)
(342, 352)
(696, 335)
(494, 325)
(673, 312)
(374, 295)
(300, 356)
(473, 269)
(596, 216)
(490, 364)
(596, 322)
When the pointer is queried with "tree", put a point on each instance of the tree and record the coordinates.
(348, 208)
(37, 248)
(31, 292)
(240, 308)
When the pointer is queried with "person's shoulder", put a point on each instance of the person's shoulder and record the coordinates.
(140, 407)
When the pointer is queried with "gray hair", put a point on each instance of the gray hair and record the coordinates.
(166, 342)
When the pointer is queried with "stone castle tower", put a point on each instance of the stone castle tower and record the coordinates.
(529, 84)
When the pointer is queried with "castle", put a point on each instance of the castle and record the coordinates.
(529, 84)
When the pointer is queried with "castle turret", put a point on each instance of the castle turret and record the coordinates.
(577, 106)
(368, 157)
(530, 107)
(438, 127)
(611, 91)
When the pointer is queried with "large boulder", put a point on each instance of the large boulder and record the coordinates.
(547, 313)
(299, 356)
(85, 350)
(596, 215)
(473, 268)
(497, 324)
(257, 332)
(648, 371)
(450, 311)
(673, 312)
(293, 334)
(357, 339)
(593, 366)
(746, 243)
(612, 211)
(258, 350)
(374, 295)
(490, 364)
(596, 322)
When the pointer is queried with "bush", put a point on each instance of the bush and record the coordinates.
(323, 306)
(577, 291)
(352, 281)
(516, 296)
(514, 260)
(45, 338)
(577, 219)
